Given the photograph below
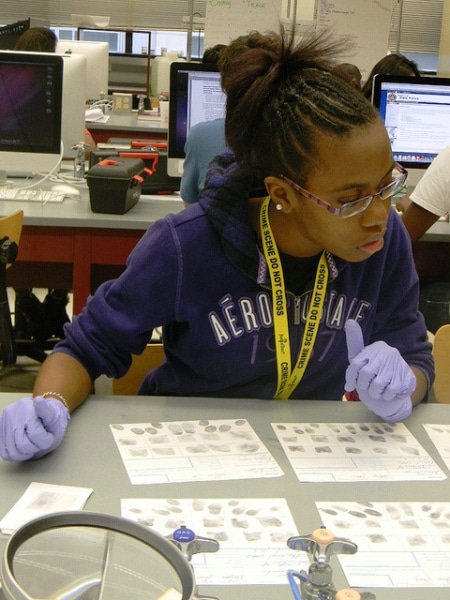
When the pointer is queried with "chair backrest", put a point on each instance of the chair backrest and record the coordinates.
(441, 353)
(129, 384)
(11, 226)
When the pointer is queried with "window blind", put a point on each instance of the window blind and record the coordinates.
(416, 26)
(146, 14)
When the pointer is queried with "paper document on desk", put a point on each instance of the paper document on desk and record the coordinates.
(252, 534)
(440, 436)
(41, 499)
(355, 452)
(400, 544)
(193, 451)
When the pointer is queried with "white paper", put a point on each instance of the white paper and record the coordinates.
(400, 544)
(252, 533)
(355, 452)
(440, 436)
(193, 451)
(43, 499)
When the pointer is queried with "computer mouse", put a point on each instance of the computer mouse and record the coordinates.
(66, 189)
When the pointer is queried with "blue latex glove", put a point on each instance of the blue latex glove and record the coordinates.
(383, 380)
(32, 427)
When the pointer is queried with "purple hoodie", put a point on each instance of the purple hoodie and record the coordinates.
(200, 275)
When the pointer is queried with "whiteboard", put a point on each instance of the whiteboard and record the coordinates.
(227, 19)
(365, 22)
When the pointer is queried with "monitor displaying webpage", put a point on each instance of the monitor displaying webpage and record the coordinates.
(205, 98)
(417, 119)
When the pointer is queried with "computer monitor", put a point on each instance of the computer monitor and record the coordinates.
(97, 57)
(73, 103)
(416, 113)
(9, 34)
(31, 92)
(195, 95)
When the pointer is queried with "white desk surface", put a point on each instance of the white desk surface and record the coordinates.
(89, 457)
(129, 122)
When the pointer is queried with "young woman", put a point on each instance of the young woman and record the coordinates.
(290, 278)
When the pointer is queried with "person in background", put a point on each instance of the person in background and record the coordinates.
(33, 319)
(204, 142)
(350, 73)
(283, 281)
(430, 199)
(391, 64)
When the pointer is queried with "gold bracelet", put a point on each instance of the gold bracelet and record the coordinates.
(57, 397)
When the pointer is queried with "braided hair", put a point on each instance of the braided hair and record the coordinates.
(281, 97)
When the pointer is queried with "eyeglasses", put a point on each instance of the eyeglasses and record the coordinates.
(349, 209)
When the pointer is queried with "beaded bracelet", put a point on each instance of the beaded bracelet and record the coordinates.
(57, 397)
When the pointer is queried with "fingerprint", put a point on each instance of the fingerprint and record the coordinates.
(186, 439)
(175, 428)
(239, 523)
(309, 430)
(242, 435)
(410, 450)
(210, 428)
(252, 536)
(249, 448)
(397, 437)
(233, 502)
(319, 438)
(299, 431)
(296, 448)
(377, 538)
(164, 451)
(214, 509)
(127, 442)
(220, 447)
(138, 430)
(146, 522)
(161, 511)
(435, 515)
(172, 524)
(351, 429)
(378, 450)
(173, 501)
(252, 512)
(239, 510)
(240, 422)
(199, 449)
(353, 450)
(151, 430)
(372, 512)
(377, 429)
(407, 509)
(270, 522)
(175, 509)
(278, 537)
(343, 525)
(445, 539)
(356, 513)
(135, 510)
(289, 439)
(417, 540)
(335, 428)
(393, 511)
(410, 524)
(220, 536)
(188, 427)
(281, 427)
(210, 436)
(346, 438)
(118, 427)
(426, 507)
(315, 425)
(372, 524)
(203, 422)
(441, 524)
(198, 504)
(323, 449)
(364, 428)
(224, 428)
(157, 425)
(161, 439)
(377, 438)
(212, 522)
(388, 428)
(329, 511)
(138, 452)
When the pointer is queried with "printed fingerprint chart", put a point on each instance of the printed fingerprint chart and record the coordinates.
(400, 544)
(193, 451)
(252, 533)
(440, 436)
(355, 452)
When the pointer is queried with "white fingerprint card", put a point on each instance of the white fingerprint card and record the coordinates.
(400, 544)
(355, 452)
(440, 436)
(193, 451)
(252, 534)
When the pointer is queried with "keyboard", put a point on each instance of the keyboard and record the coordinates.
(30, 195)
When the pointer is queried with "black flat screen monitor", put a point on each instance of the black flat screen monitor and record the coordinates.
(30, 111)
(416, 114)
(195, 95)
(10, 34)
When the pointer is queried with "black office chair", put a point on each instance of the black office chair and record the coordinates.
(10, 346)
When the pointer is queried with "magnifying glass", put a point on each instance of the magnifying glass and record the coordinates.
(83, 555)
